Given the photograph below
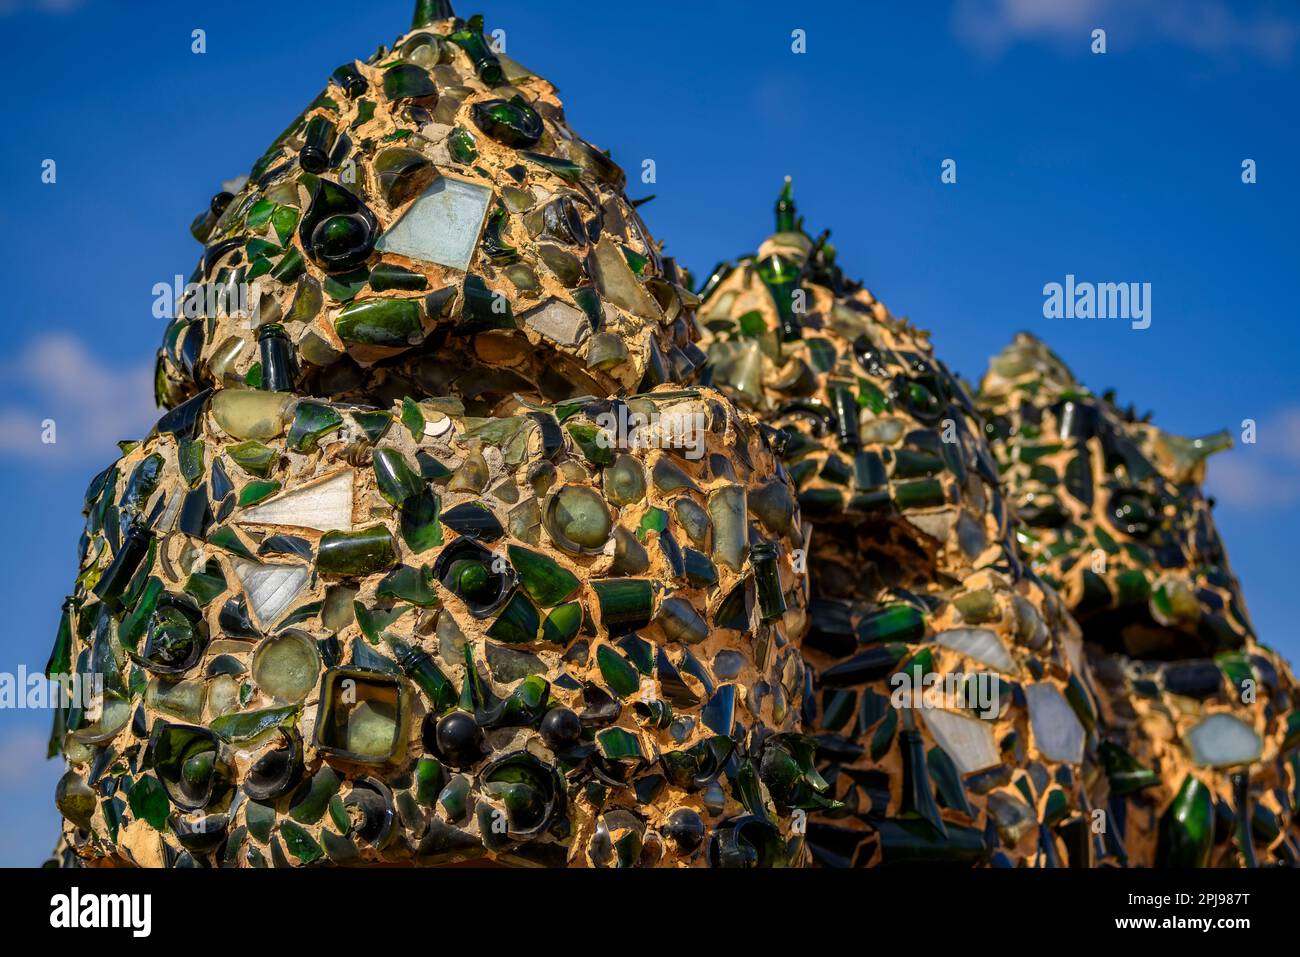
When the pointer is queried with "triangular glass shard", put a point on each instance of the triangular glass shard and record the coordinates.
(271, 589)
(442, 226)
(325, 505)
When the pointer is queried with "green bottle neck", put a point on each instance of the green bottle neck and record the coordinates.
(430, 11)
(785, 218)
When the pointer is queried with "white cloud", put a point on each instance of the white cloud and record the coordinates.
(92, 404)
(1265, 474)
(1212, 27)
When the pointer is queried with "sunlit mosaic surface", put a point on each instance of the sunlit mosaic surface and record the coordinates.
(913, 572)
(391, 582)
(1202, 726)
(382, 587)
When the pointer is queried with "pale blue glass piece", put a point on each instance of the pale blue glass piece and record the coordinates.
(1222, 741)
(1058, 733)
(442, 226)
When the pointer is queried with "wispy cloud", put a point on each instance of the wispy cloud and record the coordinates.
(1265, 474)
(1270, 32)
(92, 404)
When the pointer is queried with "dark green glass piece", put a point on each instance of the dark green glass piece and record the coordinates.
(1186, 833)
(593, 442)
(625, 603)
(299, 842)
(311, 421)
(898, 622)
(914, 841)
(393, 323)
(518, 622)
(542, 577)
(387, 276)
(872, 664)
(253, 457)
(338, 231)
(562, 623)
(512, 122)
(256, 491)
(405, 583)
(420, 527)
(486, 64)
(767, 580)
(374, 424)
(148, 801)
(395, 478)
(921, 493)
(406, 81)
(619, 674)
(361, 552)
(309, 801)
(1125, 774)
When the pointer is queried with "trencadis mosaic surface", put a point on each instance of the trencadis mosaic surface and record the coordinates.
(1201, 748)
(913, 572)
(470, 534)
(377, 589)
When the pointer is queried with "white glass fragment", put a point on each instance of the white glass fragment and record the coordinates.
(1058, 733)
(442, 226)
(1221, 741)
(271, 589)
(325, 505)
(978, 643)
(968, 741)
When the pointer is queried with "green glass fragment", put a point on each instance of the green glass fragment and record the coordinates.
(361, 552)
(405, 583)
(562, 623)
(541, 576)
(619, 675)
(420, 527)
(393, 323)
(311, 422)
(300, 843)
(309, 801)
(1186, 833)
(594, 443)
(253, 457)
(246, 725)
(256, 491)
(395, 478)
(518, 621)
(148, 802)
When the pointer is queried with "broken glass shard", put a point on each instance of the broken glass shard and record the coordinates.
(1221, 741)
(442, 226)
(271, 589)
(978, 643)
(968, 741)
(325, 505)
(1057, 731)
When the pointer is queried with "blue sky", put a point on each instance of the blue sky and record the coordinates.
(1117, 167)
